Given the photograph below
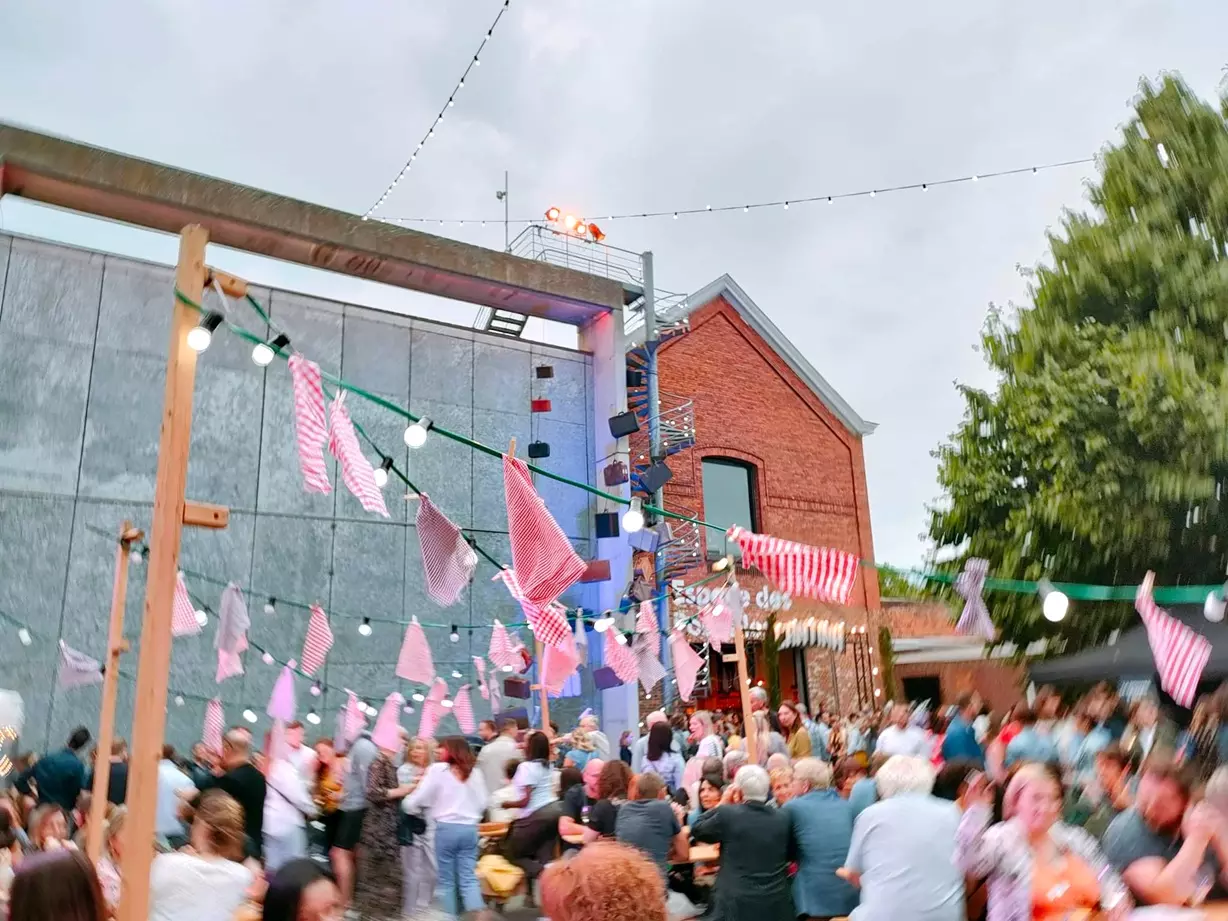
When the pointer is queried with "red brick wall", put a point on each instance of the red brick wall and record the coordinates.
(810, 481)
(999, 683)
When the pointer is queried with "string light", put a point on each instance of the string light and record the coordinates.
(460, 84)
(313, 718)
(415, 432)
(365, 627)
(201, 335)
(249, 715)
(633, 517)
(202, 617)
(381, 472)
(602, 624)
(316, 690)
(456, 674)
(267, 658)
(178, 701)
(270, 606)
(446, 703)
(830, 198)
(419, 697)
(454, 636)
(135, 557)
(263, 353)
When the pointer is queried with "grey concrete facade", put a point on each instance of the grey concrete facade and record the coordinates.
(83, 340)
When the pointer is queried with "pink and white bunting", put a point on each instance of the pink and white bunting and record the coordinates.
(77, 670)
(502, 652)
(687, 663)
(432, 709)
(211, 732)
(356, 471)
(318, 642)
(545, 562)
(547, 621)
(558, 664)
(620, 658)
(415, 663)
(230, 641)
(447, 558)
(799, 569)
(311, 431)
(183, 615)
(462, 708)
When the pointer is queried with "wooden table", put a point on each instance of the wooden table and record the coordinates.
(702, 853)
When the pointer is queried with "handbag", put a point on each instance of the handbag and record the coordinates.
(408, 826)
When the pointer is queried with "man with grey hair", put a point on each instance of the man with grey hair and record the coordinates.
(601, 743)
(753, 882)
(903, 848)
(759, 701)
(822, 827)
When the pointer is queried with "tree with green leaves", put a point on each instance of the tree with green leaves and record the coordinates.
(1104, 450)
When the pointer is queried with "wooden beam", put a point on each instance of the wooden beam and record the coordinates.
(748, 720)
(110, 690)
(231, 286)
(149, 720)
(204, 515)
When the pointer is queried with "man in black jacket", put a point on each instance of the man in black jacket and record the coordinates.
(59, 777)
(245, 783)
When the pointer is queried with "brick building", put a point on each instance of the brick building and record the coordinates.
(777, 449)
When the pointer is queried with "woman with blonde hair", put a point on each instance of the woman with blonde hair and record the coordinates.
(209, 881)
(1038, 867)
(416, 833)
(768, 742)
(605, 881)
(111, 857)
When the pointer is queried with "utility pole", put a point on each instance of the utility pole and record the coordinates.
(655, 454)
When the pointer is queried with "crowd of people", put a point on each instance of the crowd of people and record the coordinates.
(941, 814)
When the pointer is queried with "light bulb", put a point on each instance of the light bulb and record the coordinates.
(1055, 606)
(620, 638)
(270, 606)
(633, 518)
(201, 335)
(262, 354)
(1215, 607)
(313, 718)
(454, 636)
(316, 690)
(507, 668)
(878, 692)
(249, 715)
(365, 627)
(381, 477)
(602, 624)
(446, 703)
(267, 658)
(408, 709)
(202, 618)
(135, 558)
(415, 433)
(419, 697)
(178, 701)
(456, 674)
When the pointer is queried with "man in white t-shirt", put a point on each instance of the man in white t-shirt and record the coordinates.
(303, 757)
(902, 739)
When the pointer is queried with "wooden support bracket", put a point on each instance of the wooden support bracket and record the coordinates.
(205, 515)
(230, 285)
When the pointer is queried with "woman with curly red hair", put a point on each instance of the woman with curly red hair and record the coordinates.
(605, 881)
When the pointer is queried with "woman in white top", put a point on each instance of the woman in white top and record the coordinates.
(705, 737)
(531, 839)
(419, 872)
(287, 806)
(209, 882)
(455, 794)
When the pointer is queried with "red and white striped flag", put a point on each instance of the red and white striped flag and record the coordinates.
(547, 621)
(558, 664)
(646, 621)
(462, 707)
(77, 670)
(415, 663)
(356, 471)
(447, 558)
(648, 665)
(718, 616)
(1180, 653)
(546, 564)
(211, 734)
(310, 430)
(354, 718)
(620, 657)
(502, 651)
(183, 615)
(687, 663)
(317, 643)
(479, 665)
(432, 709)
(799, 569)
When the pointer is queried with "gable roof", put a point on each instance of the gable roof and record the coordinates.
(725, 287)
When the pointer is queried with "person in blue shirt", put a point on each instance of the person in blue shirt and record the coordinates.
(1030, 744)
(59, 777)
(960, 741)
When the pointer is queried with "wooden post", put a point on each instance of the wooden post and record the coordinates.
(149, 720)
(748, 721)
(539, 651)
(116, 645)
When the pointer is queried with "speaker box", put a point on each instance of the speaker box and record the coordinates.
(597, 571)
(539, 406)
(635, 377)
(519, 714)
(645, 540)
(615, 473)
(624, 424)
(656, 477)
(517, 687)
(540, 449)
(605, 678)
(545, 371)
(607, 524)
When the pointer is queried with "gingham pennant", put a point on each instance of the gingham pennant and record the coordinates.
(317, 643)
(547, 621)
(1180, 653)
(415, 663)
(211, 734)
(620, 657)
(969, 585)
(462, 709)
(310, 429)
(687, 663)
(183, 615)
(356, 471)
(799, 569)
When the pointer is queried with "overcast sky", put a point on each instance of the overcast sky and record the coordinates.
(647, 105)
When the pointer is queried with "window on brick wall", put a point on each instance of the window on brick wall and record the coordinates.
(729, 499)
